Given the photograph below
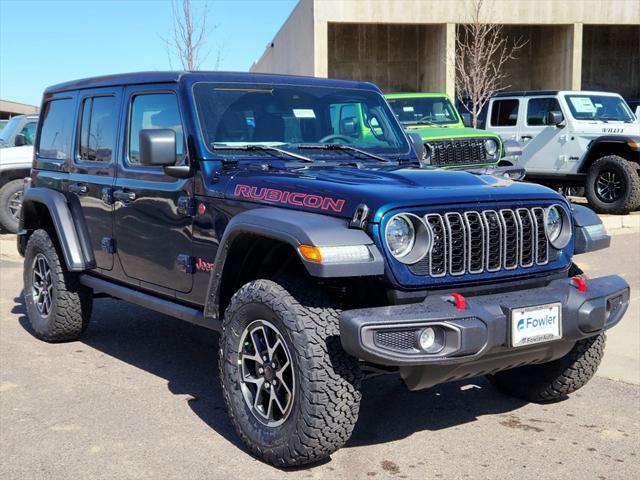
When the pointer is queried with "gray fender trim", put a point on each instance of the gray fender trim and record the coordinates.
(295, 228)
(589, 233)
(69, 225)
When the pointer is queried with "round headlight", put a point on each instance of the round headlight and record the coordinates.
(557, 226)
(400, 236)
(491, 147)
(408, 238)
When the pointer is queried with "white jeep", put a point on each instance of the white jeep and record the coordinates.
(573, 140)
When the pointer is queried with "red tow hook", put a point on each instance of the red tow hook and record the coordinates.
(458, 301)
(580, 283)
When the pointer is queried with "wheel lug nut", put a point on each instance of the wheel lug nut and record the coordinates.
(260, 370)
(265, 358)
(273, 365)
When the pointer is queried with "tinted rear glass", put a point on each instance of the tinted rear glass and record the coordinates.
(57, 129)
(98, 129)
(504, 113)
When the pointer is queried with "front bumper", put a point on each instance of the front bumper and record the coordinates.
(478, 338)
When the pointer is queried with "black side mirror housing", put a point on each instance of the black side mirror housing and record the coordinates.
(418, 145)
(554, 118)
(349, 127)
(20, 140)
(158, 147)
(466, 119)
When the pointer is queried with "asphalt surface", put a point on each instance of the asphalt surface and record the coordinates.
(138, 398)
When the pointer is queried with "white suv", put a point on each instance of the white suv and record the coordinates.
(574, 139)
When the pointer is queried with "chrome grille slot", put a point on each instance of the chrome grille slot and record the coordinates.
(509, 239)
(527, 237)
(473, 242)
(457, 244)
(438, 253)
(542, 246)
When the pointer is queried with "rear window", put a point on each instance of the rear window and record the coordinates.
(57, 129)
(504, 113)
(98, 129)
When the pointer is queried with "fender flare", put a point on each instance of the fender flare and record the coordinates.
(295, 228)
(612, 139)
(68, 222)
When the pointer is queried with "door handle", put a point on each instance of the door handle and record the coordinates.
(526, 137)
(78, 188)
(124, 196)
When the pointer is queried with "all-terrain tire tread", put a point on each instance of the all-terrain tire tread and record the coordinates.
(73, 301)
(632, 200)
(330, 383)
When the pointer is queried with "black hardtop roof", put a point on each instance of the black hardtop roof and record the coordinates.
(174, 77)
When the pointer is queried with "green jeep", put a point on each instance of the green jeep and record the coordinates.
(448, 143)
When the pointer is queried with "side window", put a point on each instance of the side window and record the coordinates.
(57, 129)
(538, 108)
(29, 132)
(504, 113)
(153, 110)
(98, 129)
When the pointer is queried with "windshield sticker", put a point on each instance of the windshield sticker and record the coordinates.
(407, 109)
(298, 199)
(583, 104)
(304, 113)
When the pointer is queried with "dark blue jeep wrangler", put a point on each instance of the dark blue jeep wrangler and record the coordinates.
(292, 215)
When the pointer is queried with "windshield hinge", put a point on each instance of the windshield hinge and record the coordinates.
(360, 216)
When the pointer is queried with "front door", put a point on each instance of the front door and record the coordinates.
(152, 227)
(91, 173)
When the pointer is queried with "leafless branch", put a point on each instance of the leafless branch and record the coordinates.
(481, 54)
(189, 35)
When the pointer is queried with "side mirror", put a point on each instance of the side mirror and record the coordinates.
(418, 145)
(157, 147)
(20, 140)
(466, 119)
(554, 118)
(349, 127)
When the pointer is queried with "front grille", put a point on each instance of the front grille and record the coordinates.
(468, 151)
(474, 242)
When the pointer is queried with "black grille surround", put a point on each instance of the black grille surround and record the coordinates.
(459, 152)
(486, 240)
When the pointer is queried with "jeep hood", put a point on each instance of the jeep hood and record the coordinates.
(436, 133)
(339, 190)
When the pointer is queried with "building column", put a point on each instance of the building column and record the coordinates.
(450, 62)
(320, 48)
(576, 57)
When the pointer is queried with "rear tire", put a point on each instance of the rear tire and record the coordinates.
(555, 380)
(325, 381)
(58, 306)
(10, 205)
(613, 185)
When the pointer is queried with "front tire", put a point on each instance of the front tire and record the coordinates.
(58, 306)
(554, 380)
(613, 185)
(317, 385)
(10, 205)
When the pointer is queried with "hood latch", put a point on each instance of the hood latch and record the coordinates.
(360, 216)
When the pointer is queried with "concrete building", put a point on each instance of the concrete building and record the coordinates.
(10, 109)
(409, 45)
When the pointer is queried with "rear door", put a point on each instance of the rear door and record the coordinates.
(151, 224)
(91, 173)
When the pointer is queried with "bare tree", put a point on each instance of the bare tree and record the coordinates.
(481, 53)
(189, 36)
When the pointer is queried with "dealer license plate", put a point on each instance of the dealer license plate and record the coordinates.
(541, 323)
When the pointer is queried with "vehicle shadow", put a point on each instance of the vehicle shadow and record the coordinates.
(186, 356)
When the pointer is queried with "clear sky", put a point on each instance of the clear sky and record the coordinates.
(44, 42)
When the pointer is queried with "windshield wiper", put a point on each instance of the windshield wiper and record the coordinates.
(261, 148)
(339, 146)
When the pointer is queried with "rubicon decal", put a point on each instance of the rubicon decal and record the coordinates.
(299, 199)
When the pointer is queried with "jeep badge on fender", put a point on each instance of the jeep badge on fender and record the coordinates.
(312, 240)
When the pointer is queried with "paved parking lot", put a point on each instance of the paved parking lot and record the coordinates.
(138, 398)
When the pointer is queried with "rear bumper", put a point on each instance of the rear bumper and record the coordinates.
(478, 338)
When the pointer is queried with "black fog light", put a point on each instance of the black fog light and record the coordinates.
(430, 339)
